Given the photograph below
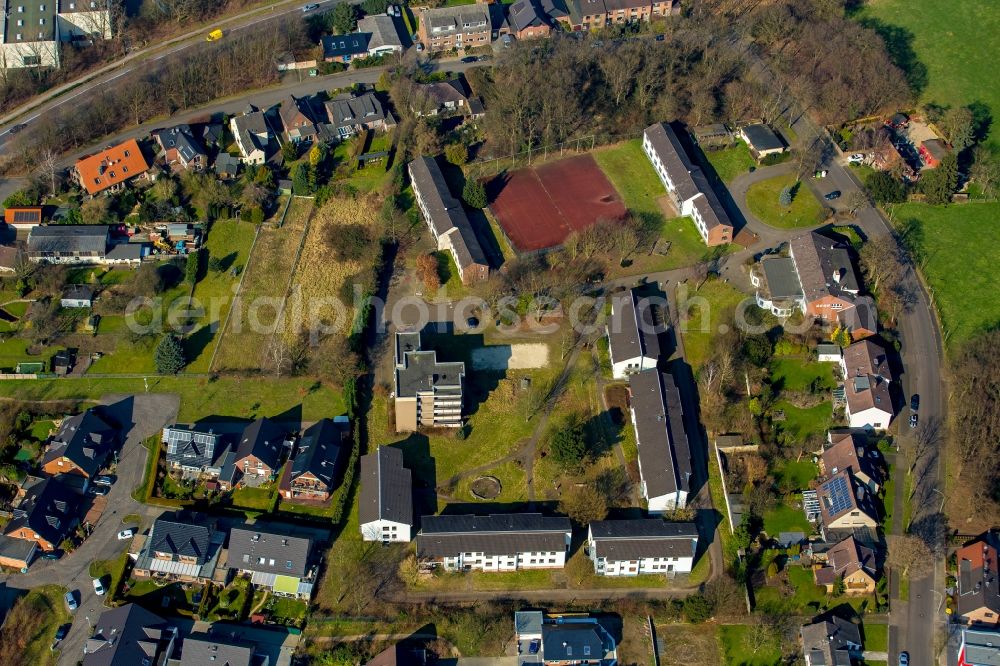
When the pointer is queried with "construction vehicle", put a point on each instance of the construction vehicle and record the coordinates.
(214, 35)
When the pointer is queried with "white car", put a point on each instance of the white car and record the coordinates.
(126, 534)
(856, 158)
(99, 587)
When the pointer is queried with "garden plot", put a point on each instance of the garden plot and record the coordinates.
(528, 356)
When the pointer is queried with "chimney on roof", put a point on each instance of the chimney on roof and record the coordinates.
(837, 275)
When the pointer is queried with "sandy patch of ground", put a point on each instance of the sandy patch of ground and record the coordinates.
(511, 357)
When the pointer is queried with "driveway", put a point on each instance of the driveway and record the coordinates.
(140, 417)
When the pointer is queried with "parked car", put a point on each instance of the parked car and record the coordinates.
(904, 659)
(820, 174)
(99, 587)
(913, 420)
(126, 534)
(534, 646)
(915, 402)
(52, 555)
(420, 47)
(104, 480)
(311, 6)
(71, 603)
(62, 631)
(470, 59)
(98, 490)
(857, 158)
(832, 195)
(17, 128)
(660, 38)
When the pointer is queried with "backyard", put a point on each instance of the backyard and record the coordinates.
(705, 313)
(795, 591)
(734, 640)
(731, 162)
(262, 296)
(805, 210)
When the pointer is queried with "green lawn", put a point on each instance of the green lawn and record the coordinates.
(15, 350)
(807, 597)
(200, 397)
(786, 518)
(805, 210)
(965, 236)
(254, 499)
(802, 423)
(707, 310)
(798, 374)
(876, 637)
(736, 652)
(109, 571)
(230, 242)
(40, 429)
(794, 474)
(731, 162)
(958, 42)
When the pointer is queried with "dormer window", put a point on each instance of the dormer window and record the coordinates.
(41, 21)
(20, 9)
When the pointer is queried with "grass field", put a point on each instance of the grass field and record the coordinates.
(200, 396)
(228, 241)
(798, 374)
(876, 637)
(628, 169)
(15, 350)
(710, 308)
(805, 210)
(687, 644)
(736, 653)
(806, 596)
(802, 423)
(952, 236)
(731, 162)
(262, 295)
(30, 626)
(794, 474)
(957, 42)
(786, 518)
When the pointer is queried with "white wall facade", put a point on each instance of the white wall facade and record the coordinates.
(873, 417)
(649, 565)
(17, 55)
(385, 530)
(507, 562)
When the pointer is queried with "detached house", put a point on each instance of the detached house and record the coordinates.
(253, 136)
(315, 470)
(846, 504)
(77, 296)
(850, 562)
(866, 386)
(833, 642)
(195, 452)
(178, 549)
(110, 169)
(130, 634)
(527, 21)
(847, 450)
(46, 514)
(80, 446)
(641, 546)
(980, 647)
(383, 34)
(258, 456)
(633, 335)
(447, 220)
(979, 581)
(385, 510)
(349, 116)
(343, 48)
(428, 393)
(664, 452)
(279, 562)
(571, 638)
(686, 184)
(181, 148)
(299, 118)
(430, 99)
(506, 542)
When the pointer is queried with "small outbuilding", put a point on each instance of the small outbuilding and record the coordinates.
(77, 296)
(762, 140)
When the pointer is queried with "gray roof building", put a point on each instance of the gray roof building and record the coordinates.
(319, 451)
(203, 650)
(832, 642)
(633, 331)
(524, 14)
(129, 634)
(48, 510)
(179, 143)
(174, 539)
(386, 488)
(444, 21)
(980, 646)
(127, 252)
(227, 165)
(824, 267)
(84, 439)
(762, 138)
(575, 643)
(383, 35)
(418, 371)
(194, 449)
(664, 452)
(263, 439)
(344, 47)
(642, 538)
(268, 552)
(353, 111)
(782, 283)
(496, 534)
(68, 239)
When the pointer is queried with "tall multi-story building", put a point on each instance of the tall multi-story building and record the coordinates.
(428, 393)
(32, 30)
(446, 28)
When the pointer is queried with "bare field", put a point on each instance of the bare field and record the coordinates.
(262, 297)
(319, 277)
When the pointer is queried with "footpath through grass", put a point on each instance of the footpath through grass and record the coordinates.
(959, 248)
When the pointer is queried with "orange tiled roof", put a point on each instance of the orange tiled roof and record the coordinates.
(23, 215)
(111, 166)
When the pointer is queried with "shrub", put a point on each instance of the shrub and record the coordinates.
(457, 154)
(697, 609)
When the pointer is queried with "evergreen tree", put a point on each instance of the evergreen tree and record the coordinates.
(785, 197)
(939, 184)
(474, 194)
(169, 356)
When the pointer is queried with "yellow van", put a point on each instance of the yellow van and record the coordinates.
(214, 35)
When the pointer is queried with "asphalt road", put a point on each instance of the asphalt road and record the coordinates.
(141, 58)
(140, 416)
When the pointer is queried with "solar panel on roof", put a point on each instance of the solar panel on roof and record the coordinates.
(839, 494)
(25, 216)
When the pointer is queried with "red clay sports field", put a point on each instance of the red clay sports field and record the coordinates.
(537, 208)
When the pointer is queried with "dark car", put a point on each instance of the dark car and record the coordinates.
(915, 402)
(660, 38)
(62, 631)
(98, 490)
(472, 322)
(52, 555)
(17, 128)
(534, 646)
(832, 195)
(470, 59)
(913, 420)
